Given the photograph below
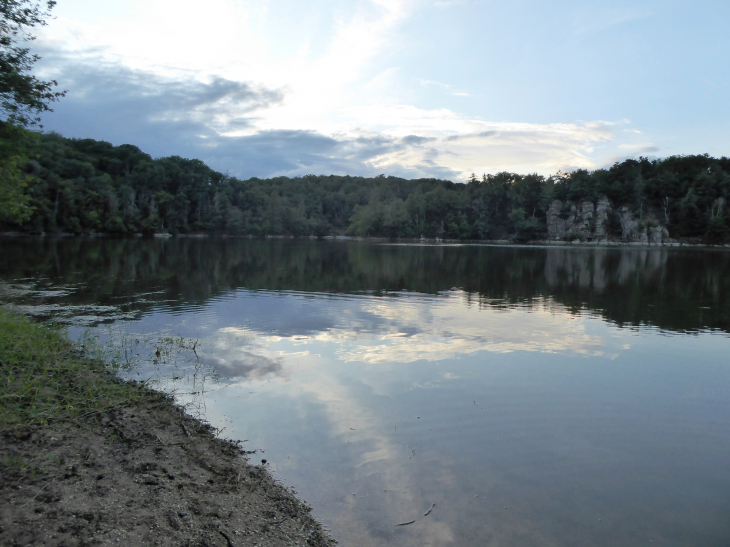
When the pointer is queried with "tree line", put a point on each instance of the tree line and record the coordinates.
(49, 183)
(84, 185)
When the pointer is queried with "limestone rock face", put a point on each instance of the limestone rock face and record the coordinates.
(649, 231)
(588, 222)
(555, 224)
(603, 207)
(629, 225)
(655, 234)
(584, 221)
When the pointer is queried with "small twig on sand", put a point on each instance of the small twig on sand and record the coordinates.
(228, 539)
(406, 523)
(39, 491)
(185, 429)
(163, 443)
(429, 511)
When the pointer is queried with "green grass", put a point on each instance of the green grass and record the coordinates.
(45, 378)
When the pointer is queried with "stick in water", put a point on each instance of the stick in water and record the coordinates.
(406, 523)
(429, 511)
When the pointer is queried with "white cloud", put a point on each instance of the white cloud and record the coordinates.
(635, 146)
(431, 82)
(467, 145)
(329, 96)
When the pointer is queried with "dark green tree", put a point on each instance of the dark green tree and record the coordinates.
(23, 97)
(14, 202)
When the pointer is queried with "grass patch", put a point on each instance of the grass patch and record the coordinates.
(45, 378)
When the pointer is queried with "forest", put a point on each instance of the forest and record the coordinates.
(87, 186)
(52, 184)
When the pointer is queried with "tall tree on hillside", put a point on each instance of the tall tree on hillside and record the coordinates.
(14, 202)
(23, 97)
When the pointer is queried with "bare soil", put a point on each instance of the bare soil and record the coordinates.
(143, 475)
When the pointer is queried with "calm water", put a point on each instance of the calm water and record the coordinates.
(567, 397)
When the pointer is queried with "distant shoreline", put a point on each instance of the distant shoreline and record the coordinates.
(429, 241)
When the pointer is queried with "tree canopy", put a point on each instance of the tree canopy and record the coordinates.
(23, 97)
(84, 185)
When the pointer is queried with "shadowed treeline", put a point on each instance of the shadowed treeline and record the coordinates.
(84, 186)
(681, 290)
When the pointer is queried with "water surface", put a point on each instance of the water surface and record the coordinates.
(536, 396)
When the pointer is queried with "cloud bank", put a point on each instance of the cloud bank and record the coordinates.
(297, 113)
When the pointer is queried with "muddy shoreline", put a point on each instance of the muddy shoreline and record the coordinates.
(88, 459)
(144, 475)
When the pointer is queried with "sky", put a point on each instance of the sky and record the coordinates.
(411, 88)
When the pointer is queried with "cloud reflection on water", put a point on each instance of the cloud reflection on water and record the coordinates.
(241, 364)
(408, 329)
(442, 331)
(306, 342)
(529, 392)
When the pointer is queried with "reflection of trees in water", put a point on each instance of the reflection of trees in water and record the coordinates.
(597, 268)
(672, 289)
(685, 290)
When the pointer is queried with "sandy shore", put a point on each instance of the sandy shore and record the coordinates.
(143, 475)
(87, 459)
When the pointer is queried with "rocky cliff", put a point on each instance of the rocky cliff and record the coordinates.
(586, 221)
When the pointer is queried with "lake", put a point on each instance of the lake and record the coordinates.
(526, 396)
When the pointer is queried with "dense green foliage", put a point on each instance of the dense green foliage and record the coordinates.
(91, 186)
(14, 201)
(23, 97)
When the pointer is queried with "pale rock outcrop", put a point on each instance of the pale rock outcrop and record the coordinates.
(584, 221)
(655, 234)
(587, 222)
(629, 225)
(603, 207)
(555, 224)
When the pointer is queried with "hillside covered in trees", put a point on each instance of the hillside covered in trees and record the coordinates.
(83, 186)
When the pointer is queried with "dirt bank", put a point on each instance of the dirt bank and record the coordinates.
(143, 475)
(118, 463)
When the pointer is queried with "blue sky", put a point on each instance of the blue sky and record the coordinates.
(402, 87)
